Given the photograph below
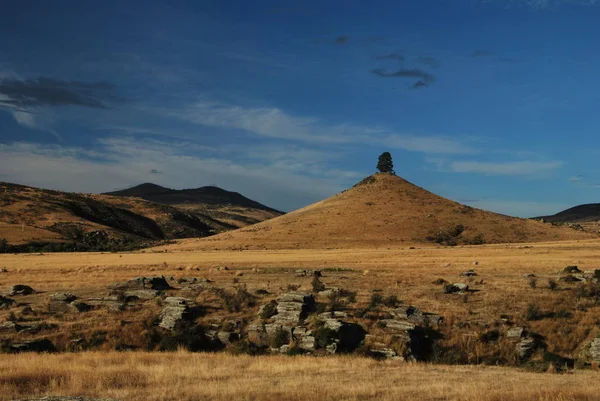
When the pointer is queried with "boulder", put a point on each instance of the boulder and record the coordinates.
(226, 337)
(158, 283)
(456, 288)
(415, 315)
(63, 297)
(468, 273)
(113, 303)
(133, 295)
(20, 289)
(10, 327)
(5, 302)
(293, 307)
(348, 336)
(594, 350)
(175, 314)
(526, 347)
(571, 269)
(515, 332)
(64, 303)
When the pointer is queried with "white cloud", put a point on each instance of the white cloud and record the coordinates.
(276, 123)
(125, 162)
(25, 118)
(518, 168)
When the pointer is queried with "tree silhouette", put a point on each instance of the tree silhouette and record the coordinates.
(385, 164)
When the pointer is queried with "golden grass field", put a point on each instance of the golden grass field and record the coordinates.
(407, 273)
(187, 377)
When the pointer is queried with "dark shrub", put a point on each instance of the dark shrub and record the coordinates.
(552, 284)
(533, 312)
(317, 285)
(280, 338)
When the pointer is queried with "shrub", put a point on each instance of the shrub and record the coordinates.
(317, 285)
(532, 282)
(533, 312)
(552, 284)
(334, 302)
(280, 338)
(391, 301)
(245, 347)
(376, 299)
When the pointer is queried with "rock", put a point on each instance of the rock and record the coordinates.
(570, 278)
(81, 306)
(329, 292)
(4, 270)
(112, 302)
(515, 332)
(63, 297)
(43, 345)
(456, 288)
(5, 302)
(133, 295)
(348, 336)
(158, 283)
(303, 338)
(572, 269)
(293, 307)
(226, 337)
(397, 325)
(475, 263)
(20, 289)
(175, 314)
(594, 350)
(526, 347)
(10, 327)
(468, 273)
(187, 280)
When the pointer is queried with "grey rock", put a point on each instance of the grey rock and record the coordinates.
(175, 313)
(398, 325)
(594, 350)
(10, 327)
(515, 332)
(456, 288)
(468, 273)
(526, 347)
(158, 283)
(226, 337)
(140, 294)
(20, 289)
(63, 297)
(113, 303)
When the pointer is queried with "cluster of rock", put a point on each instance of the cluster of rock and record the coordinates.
(405, 334)
(64, 303)
(526, 343)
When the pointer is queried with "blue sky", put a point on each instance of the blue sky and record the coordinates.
(491, 103)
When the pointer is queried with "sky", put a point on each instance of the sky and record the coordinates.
(492, 103)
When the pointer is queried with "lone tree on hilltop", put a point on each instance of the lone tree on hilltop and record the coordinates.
(385, 164)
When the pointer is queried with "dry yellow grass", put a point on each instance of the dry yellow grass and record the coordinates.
(183, 376)
(381, 211)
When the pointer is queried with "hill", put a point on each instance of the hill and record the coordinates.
(384, 210)
(32, 217)
(230, 208)
(578, 214)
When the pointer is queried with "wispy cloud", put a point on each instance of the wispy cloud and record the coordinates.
(275, 123)
(517, 168)
(123, 162)
(425, 79)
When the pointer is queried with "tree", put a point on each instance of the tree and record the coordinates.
(385, 164)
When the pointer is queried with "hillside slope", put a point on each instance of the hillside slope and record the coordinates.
(384, 210)
(31, 215)
(231, 208)
(577, 214)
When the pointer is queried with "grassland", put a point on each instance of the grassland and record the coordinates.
(500, 288)
(183, 376)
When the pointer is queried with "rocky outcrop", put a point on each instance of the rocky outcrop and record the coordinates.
(293, 307)
(175, 314)
(65, 303)
(456, 288)
(345, 336)
(416, 316)
(157, 283)
(593, 351)
(20, 289)
(113, 302)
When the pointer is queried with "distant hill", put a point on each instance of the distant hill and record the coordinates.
(384, 210)
(34, 217)
(579, 214)
(228, 207)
